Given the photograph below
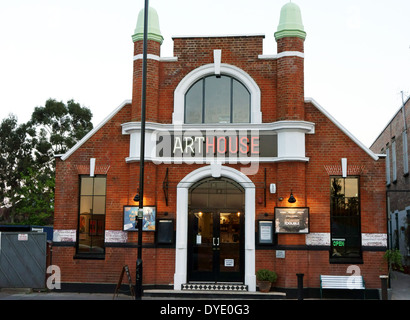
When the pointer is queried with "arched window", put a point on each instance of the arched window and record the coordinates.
(221, 99)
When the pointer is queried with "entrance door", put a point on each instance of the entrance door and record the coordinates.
(216, 235)
(216, 243)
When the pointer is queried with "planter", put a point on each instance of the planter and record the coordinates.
(265, 278)
(264, 286)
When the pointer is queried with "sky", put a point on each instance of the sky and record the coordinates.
(357, 53)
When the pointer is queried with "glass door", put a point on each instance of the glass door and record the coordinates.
(230, 240)
(215, 231)
(215, 246)
(201, 246)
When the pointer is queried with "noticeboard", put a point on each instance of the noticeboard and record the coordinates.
(265, 232)
(165, 231)
(291, 220)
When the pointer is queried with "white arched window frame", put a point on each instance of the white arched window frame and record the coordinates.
(207, 70)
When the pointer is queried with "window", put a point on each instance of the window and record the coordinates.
(405, 154)
(394, 162)
(217, 100)
(345, 220)
(387, 166)
(91, 224)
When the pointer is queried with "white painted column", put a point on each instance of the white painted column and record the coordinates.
(344, 167)
(250, 277)
(180, 276)
(92, 167)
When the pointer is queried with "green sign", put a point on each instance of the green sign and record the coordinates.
(338, 242)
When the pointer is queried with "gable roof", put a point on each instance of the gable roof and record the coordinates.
(342, 128)
(391, 120)
(93, 131)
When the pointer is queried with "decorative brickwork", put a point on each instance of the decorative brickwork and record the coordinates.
(85, 169)
(336, 170)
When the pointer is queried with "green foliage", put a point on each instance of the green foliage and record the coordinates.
(394, 259)
(15, 158)
(36, 198)
(60, 126)
(27, 151)
(266, 275)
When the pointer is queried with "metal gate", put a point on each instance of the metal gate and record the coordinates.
(398, 219)
(22, 259)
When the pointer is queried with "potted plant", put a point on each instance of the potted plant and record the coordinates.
(265, 279)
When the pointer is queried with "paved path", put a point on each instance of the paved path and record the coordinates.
(400, 284)
(400, 290)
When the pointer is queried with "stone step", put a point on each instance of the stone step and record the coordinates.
(211, 294)
(215, 287)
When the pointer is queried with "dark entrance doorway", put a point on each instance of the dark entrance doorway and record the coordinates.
(215, 231)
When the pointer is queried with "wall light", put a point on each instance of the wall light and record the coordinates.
(137, 196)
(291, 198)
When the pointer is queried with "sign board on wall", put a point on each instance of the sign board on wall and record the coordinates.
(216, 143)
(131, 218)
(165, 231)
(291, 220)
(265, 231)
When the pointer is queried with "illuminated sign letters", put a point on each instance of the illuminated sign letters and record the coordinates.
(216, 143)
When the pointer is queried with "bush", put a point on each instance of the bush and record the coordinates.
(266, 275)
(394, 259)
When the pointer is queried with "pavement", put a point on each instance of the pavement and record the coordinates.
(400, 290)
(28, 294)
(400, 286)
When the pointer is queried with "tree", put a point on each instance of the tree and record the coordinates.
(60, 126)
(15, 159)
(36, 198)
(27, 167)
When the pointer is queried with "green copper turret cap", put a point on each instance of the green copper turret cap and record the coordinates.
(154, 32)
(290, 23)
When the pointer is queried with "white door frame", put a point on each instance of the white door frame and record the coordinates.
(214, 170)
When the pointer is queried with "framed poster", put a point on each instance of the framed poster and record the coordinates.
(131, 216)
(291, 220)
(265, 228)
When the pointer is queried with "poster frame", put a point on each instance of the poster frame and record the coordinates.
(283, 213)
(130, 218)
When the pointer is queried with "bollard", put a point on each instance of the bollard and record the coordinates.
(384, 280)
(300, 285)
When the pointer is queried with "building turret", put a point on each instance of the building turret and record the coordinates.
(290, 37)
(154, 41)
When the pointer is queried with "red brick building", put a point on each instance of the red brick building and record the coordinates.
(394, 143)
(242, 172)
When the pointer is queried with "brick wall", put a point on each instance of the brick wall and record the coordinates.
(393, 132)
(281, 84)
(290, 75)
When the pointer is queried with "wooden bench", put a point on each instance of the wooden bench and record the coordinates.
(342, 282)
